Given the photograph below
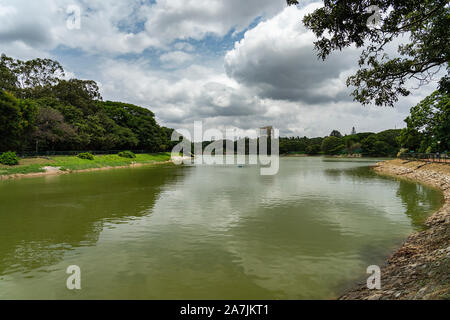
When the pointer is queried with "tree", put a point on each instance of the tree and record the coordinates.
(372, 146)
(23, 77)
(335, 133)
(142, 123)
(7, 78)
(41, 108)
(313, 149)
(410, 139)
(390, 137)
(16, 121)
(52, 129)
(368, 145)
(10, 122)
(80, 93)
(381, 148)
(382, 79)
(430, 118)
(332, 145)
(352, 146)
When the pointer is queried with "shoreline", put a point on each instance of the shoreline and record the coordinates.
(62, 172)
(420, 267)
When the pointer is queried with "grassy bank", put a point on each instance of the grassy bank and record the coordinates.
(72, 163)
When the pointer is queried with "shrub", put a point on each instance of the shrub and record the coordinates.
(86, 156)
(126, 154)
(401, 152)
(9, 158)
(313, 149)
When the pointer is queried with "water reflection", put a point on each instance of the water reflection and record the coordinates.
(204, 232)
(42, 218)
(416, 200)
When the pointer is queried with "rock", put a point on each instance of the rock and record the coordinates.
(421, 293)
(376, 296)
(52, 169)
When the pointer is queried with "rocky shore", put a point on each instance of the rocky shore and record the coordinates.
(420, 268)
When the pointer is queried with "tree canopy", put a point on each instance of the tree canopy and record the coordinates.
(381, 77)
(428, 125)
(41, 110)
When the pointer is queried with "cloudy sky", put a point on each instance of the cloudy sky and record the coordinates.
(230, 63)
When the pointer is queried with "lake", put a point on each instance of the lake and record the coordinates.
(205, 232)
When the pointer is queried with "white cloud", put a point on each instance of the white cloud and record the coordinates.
(184, 46)
(112, 27)
(277, 58)
(175, 58)
(168, 20)
(270, 77)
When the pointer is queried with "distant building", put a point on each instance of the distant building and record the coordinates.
(353, 130)
(266, 131)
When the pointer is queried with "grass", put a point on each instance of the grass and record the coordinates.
(32, 165)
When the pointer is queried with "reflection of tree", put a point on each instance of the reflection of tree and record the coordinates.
(417, 200)
(362, 172)
(40, 221)
(357, 173)
(333, 173)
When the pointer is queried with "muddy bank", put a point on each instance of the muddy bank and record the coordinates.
(420, 268)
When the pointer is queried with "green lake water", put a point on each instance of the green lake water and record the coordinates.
(204, 232)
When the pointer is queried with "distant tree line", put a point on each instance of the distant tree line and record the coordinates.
(427, 131)
(39, 110)
(384, 143)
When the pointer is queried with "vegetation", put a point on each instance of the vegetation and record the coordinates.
(86, 156)
(422, 27)
(332, 145)
(127, 154)
(42, 112)
(428, 125)
(9, 158)
(384, 143)
(33, 165)
(313, 149)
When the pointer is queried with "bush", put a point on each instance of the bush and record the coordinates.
(126, 154)
(9, 158)
(86, 156)
(401, 152)
(313, 149)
